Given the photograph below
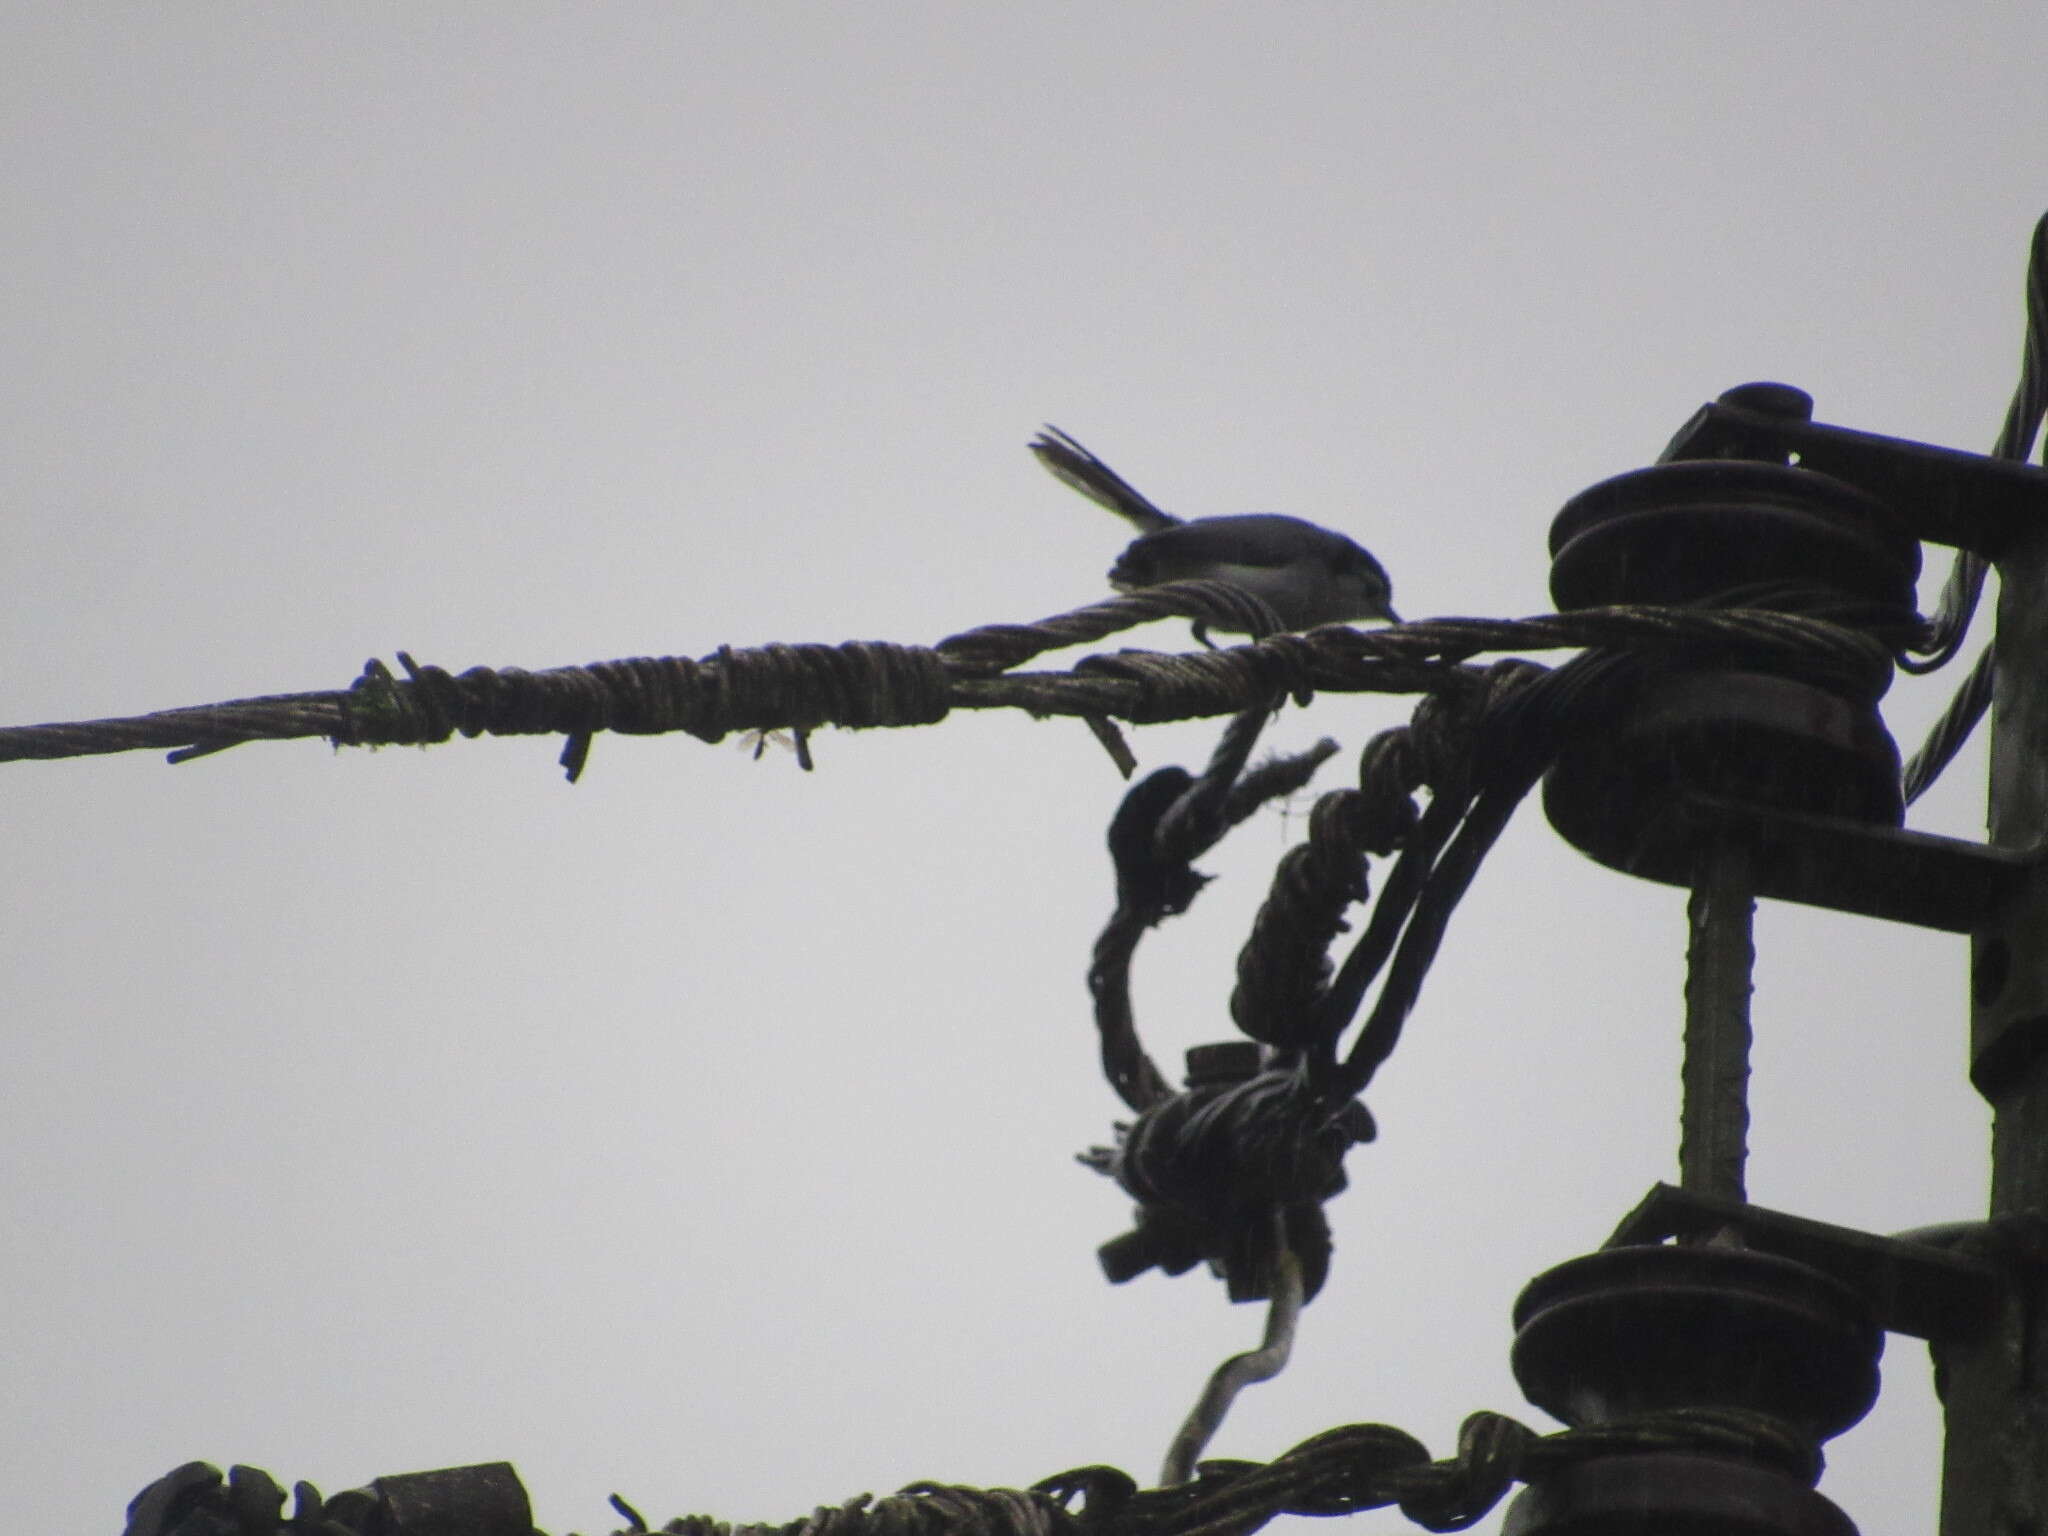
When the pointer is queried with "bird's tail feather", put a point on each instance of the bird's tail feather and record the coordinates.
(1077, 468)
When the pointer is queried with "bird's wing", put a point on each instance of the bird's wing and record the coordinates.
(1269, 539)
(1078, 469)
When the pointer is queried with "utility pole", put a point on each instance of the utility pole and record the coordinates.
(1995, 1385)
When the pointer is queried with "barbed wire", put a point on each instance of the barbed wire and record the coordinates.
(1343, 1471)
(871, 684)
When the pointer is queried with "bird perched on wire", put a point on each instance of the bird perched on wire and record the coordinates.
(1306, 574)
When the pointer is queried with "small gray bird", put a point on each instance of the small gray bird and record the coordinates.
(1306, 574)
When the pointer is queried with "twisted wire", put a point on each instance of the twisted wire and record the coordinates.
(1525, 711)
(1283, 969)
(1341, 1471)
(996, 648)
(1371, 1466)
(1965, 584)
(1236, 1173)
(1283, 1314)
(879, 684)
(1164, 824)
(1957, 723)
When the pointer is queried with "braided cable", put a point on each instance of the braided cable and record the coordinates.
(877, 684)
(1965, 585)
(1342, 1471)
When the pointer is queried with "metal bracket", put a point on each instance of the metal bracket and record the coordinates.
(1914, 1288)
(1944, 495)
(1945, 883)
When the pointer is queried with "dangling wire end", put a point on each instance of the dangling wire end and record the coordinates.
(1283, 1313)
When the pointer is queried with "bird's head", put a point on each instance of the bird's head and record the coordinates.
(1360, 585)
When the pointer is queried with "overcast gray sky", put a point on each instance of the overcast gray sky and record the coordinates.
(704, 1131)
